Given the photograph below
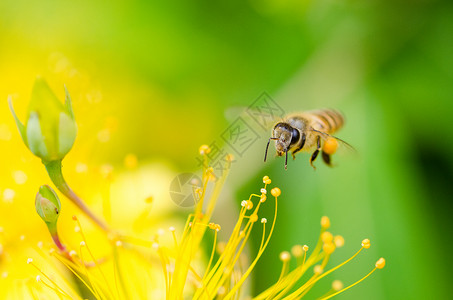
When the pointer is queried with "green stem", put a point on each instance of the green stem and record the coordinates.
(54, 234)
(54, 170)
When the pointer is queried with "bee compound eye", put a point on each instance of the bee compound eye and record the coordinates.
(294, 136)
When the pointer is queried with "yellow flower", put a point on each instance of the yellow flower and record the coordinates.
(177, 251)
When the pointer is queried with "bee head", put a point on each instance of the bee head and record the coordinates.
(285, 136)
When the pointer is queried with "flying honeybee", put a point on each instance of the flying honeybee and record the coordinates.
(308, 131)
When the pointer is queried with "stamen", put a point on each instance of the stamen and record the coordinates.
(366, 243)
(337, 285)
(339, 241)
(276, 192)
(325, 222)
(326, 237)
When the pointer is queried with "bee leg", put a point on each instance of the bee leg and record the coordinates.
(302, 143)
(315, 154)
(286, 160)
(326, 158)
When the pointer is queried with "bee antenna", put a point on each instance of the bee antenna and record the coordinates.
(267, 147)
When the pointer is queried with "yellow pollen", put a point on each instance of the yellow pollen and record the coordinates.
(265, 178)
(29, 261)
(337, 285)
(380, 263)
(339, 241)
(305, 247)
(263, 191)
(72, 253)
(217, 227)
(172, 229)
(242, 234)
(253, 218)
(328, 248)
(366, 243)
(74, 218)
(268, 181)
(276, 192)
(204, 149)
(263, 198)
(82, 244)
(325, 222)
(326, 237)
(330, 146)
(264, 220)
(285, 256)
(297, 250)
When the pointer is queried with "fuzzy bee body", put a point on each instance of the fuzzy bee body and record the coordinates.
(308, 131)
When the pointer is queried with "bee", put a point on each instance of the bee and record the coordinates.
(308, 131)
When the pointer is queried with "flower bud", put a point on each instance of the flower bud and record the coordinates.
(47, 205)
(50, 129)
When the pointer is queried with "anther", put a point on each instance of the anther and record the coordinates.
(326, 237)
(254, 218)
(328, 248)
(263, 191)
(249, 205)
(366, 243)
(276, 192)
(82, 244)
(263, 198)
(297, 250)
(265, 178)
(318, 269)
(339, 241)
(204, 149)
(285, 256)
(337, 285)
(29, 261)
(229, 157)
(305, 247)
(263, 220)
(380, 263)
(325, 222)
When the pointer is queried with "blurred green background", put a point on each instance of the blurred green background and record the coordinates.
(168, 72)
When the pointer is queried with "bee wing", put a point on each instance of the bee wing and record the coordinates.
(261, 120)
(343, 145)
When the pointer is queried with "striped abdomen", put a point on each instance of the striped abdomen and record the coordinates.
(329, 120)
